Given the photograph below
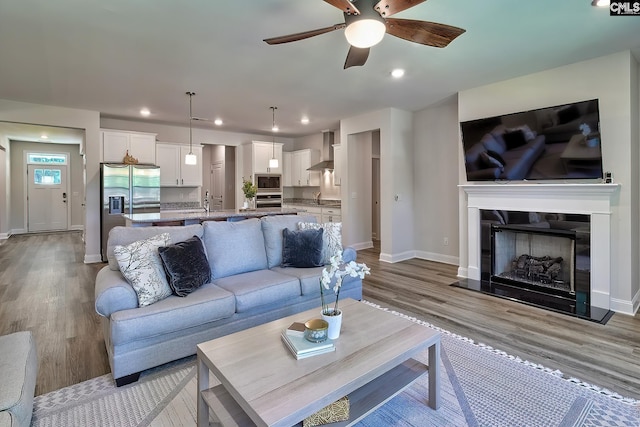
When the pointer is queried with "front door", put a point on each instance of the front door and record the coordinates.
(47, 197)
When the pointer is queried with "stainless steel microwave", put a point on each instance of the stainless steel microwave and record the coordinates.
(267, 182)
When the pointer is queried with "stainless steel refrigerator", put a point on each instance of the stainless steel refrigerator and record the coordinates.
(126, 189)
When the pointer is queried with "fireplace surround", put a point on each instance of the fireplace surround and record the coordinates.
(590, 200)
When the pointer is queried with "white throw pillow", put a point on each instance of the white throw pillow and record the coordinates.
(141, 265)
(331, 238)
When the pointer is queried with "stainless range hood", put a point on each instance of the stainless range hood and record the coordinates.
(327, 153)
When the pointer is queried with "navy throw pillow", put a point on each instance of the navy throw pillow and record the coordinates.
(186, 266)
(302, 248)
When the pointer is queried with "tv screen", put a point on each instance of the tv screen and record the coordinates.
(554, 143)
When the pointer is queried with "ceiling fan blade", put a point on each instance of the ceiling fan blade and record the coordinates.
(423, 32)
(344, 5)
(304, 35)
(390, 7)
(356, 57)
(200, 119)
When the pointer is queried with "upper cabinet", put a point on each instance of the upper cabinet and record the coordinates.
(116, 143)
(173, 171)
(299, 176)
(337, 164)
(256, 156)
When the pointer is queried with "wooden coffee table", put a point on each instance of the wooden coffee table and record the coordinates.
(259, 382)
(579, 154)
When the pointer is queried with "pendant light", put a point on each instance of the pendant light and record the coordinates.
(273, 162)
(190, 159)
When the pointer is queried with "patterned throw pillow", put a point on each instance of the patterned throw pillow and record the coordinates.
(331, 238)
(141, 265)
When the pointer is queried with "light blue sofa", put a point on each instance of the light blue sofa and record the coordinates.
(248, 288)
(18, 372)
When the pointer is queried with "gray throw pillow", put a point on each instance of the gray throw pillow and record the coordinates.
(302, 248)
(186, 266)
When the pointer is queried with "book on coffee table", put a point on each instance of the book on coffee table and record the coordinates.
(301, 348)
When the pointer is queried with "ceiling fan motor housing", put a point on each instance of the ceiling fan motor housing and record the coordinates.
(367, 11)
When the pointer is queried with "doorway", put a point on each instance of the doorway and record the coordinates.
(47, 197)
(216, 185)
(375, 200)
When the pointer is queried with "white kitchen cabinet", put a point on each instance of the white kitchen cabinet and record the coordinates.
(173, 171)
(337, 164)
(256, 156)
(315, 211)
(331, 214)
(300, 162)
(287, 159)
(115, 145)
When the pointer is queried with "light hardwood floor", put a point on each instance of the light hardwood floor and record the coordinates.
(46, 288)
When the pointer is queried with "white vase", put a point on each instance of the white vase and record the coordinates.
(335, 323)
(245, 205)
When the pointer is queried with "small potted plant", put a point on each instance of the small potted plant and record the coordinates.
(337, 270)
(249, 191)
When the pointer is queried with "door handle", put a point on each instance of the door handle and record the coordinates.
(64, 197)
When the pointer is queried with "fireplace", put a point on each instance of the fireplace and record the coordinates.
(593, 200)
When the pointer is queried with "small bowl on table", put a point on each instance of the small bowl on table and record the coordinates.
(315, 330)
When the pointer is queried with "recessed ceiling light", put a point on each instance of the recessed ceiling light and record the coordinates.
(397, 73)
(304, 120)
(217, 122)
(44, 136)
(145, 112)
(600, 3)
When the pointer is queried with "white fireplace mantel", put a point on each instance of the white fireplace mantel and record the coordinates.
(579, 198)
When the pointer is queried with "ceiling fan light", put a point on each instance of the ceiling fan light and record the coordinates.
(190, 159)
(365, 32)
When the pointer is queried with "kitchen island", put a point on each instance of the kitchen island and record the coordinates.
(199, 215)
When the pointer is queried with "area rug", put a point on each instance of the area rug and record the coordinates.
(481, 386)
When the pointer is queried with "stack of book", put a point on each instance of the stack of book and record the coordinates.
(300, 347)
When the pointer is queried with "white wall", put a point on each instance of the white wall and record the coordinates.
(89, 121)
(396, 178)
(613, 79)
(436, 131)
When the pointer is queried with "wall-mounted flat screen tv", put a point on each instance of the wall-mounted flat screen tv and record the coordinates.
(555, 143)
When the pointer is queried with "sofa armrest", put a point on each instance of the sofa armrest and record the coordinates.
(113, 293)
(349, 254)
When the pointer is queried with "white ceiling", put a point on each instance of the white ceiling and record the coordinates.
(117, 56)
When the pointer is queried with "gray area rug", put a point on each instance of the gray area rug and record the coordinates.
(481, 386)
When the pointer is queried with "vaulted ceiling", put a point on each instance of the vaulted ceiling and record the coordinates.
(118, 56)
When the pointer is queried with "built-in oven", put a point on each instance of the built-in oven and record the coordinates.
(269, 200)
(268, 183)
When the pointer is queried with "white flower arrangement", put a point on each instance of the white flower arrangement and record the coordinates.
(338, 269)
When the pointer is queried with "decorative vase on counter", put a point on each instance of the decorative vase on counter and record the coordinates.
(334, 321)
(245, 205)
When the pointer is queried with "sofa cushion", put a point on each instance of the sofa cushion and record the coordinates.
(331, 238)
(234, 247)
(257, 288)
(18, 370)
(491, 143)
(207, 304)
(310, 280)
(126, 235)
(186, 266)
(302, 248)
(141, 265)
(272, 227)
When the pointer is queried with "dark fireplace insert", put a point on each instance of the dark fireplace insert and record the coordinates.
(541, 259)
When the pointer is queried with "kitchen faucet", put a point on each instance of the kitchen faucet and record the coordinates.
(206, 201)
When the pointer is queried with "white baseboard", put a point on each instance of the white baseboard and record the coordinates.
(77, 227)
(362, 245)
(391, 258)
(432, 256)
(4, 236)
(18, 231)
(624, 306)
(92, 258)
(463, 272)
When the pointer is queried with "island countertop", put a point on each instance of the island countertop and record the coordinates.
(197, 216)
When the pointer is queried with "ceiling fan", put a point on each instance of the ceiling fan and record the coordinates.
(366, 22)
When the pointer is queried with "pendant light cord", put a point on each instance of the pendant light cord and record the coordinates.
(190, 122)
(273, 126)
